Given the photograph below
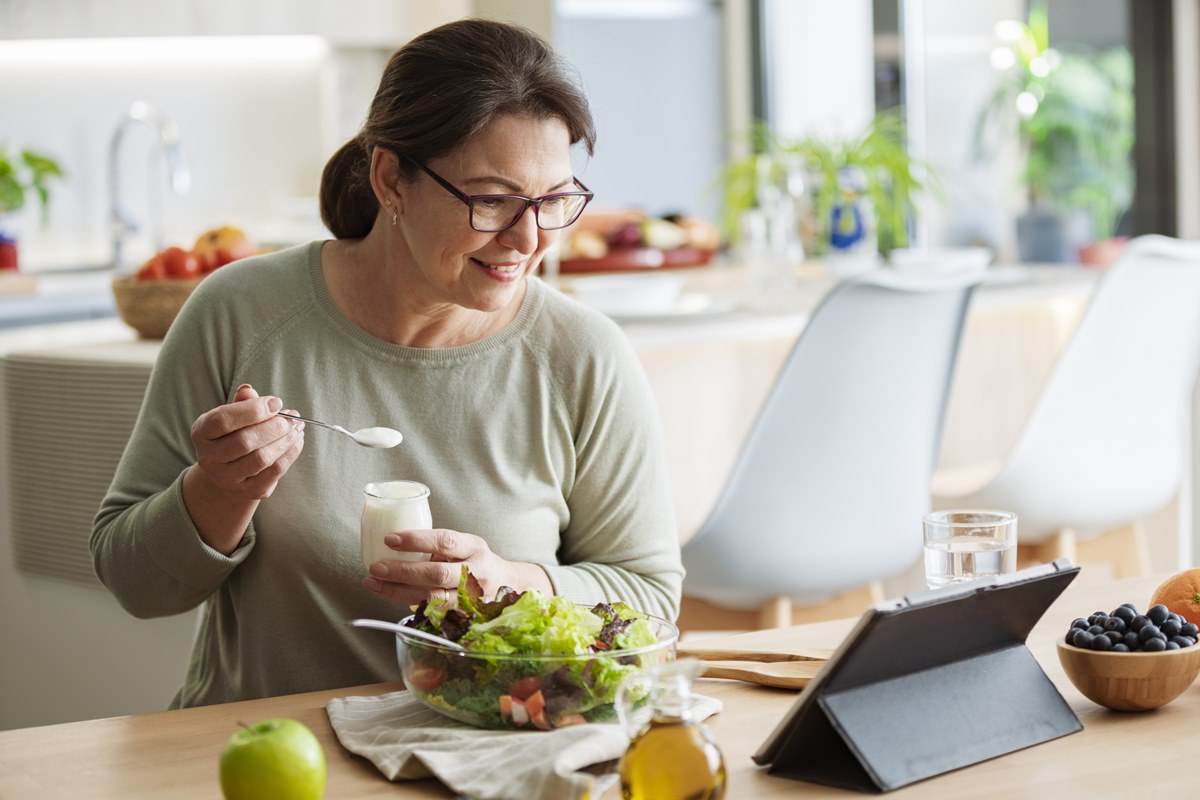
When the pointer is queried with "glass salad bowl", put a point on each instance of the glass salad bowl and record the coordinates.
(544, 679)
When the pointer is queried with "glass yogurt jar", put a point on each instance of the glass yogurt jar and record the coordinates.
(390, 506)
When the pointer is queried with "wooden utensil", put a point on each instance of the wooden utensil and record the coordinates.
(779, 674)
(780, 670)
(762, 656)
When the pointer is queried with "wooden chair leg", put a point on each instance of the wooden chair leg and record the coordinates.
(1061, 544)
(775, 613)
(1125, 548)
(848, 604)
(700, 615)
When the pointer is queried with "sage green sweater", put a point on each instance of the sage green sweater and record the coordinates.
(543, 439)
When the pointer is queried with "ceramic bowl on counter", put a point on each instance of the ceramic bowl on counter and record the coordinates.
(526, 692)
(619, 294)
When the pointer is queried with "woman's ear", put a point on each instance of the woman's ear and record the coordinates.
(385, 178)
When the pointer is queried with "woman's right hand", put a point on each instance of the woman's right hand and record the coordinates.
(243, 448)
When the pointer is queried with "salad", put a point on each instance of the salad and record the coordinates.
(532, 660)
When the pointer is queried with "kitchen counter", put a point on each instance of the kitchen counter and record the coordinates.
(55, 297)
(174, 754)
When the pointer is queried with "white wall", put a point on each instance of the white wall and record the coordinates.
(257, 124)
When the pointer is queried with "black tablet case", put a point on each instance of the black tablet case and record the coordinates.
(928, 684)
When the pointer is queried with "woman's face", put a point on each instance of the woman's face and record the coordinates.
(464, 267)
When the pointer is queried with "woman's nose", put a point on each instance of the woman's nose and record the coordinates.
(523, 235)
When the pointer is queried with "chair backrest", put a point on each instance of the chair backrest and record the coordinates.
(833, 479)
(1105, 442)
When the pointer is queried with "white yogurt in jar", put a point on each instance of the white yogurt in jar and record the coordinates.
(390, 506)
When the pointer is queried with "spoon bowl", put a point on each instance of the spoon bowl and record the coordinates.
(403, 631)
(367, 437)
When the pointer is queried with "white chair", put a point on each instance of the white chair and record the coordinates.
(827, 495)
(1105, 443)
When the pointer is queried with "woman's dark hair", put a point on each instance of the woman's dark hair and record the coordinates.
(437, 92)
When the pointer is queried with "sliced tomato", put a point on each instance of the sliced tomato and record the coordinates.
(525, 687)
(426, 678)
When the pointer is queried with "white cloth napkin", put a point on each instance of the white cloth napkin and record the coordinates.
(406, 741)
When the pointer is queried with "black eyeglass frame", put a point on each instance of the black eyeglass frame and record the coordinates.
(536, 202)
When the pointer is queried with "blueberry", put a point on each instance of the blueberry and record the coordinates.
(1176, 617)
(1172, 645)
(1101, 643)
(1097, 618)
(1096, 630)
(1115, 636)
(1120, 647)
(1139, 622)
(1115, 624)
(1158, 614)
(1125, 613)
(1151, 632)
(1080, 622)
(1190, 629)
(1182, 641)
(1171, 628)
(1132, 640)
(1130, 606)
(1154, 645)
(1083, 639)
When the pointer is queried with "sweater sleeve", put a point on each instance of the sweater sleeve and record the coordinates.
(621, 542)
(144, 547)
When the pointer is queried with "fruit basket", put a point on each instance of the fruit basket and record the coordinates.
(150, 306)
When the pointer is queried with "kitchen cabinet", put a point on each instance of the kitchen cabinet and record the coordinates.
(348, 23)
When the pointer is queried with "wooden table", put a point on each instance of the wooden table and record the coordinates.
(173, 754)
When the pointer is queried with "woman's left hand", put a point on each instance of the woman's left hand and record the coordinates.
(412, 582)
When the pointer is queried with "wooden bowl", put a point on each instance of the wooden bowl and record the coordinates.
(1130, 681)
(149, 307)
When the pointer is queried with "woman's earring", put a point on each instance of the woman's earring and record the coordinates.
(388, 205)
(393, 219)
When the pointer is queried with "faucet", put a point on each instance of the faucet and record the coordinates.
(178, 176)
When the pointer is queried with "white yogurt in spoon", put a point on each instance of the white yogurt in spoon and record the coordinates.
(377, 437)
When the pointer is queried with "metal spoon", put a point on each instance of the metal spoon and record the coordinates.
(367, 437)
(404, 631)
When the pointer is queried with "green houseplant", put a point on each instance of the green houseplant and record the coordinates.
(1072, 114)
(21, 173)
(878, 153)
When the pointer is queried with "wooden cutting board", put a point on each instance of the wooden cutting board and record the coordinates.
(15, 284)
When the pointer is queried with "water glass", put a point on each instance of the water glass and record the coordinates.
(967, 544)
(390, 506)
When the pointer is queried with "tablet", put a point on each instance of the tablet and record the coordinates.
(929, 683)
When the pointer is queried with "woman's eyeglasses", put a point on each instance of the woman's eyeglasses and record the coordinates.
(492, 213)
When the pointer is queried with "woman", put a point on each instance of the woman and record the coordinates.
(526, 414)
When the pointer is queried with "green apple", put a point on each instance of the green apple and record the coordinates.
(279, 759)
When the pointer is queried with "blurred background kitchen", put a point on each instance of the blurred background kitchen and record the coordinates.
(224, 112)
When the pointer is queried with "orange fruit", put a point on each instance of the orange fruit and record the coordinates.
(1180, 593)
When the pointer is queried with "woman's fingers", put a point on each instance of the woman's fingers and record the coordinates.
(244, 447)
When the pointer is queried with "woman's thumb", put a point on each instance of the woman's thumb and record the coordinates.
(245, 392)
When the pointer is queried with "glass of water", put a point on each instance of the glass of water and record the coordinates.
(966, 544)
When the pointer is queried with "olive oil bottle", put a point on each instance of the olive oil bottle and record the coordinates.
(671, 756)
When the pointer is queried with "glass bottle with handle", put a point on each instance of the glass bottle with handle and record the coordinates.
(671, 755)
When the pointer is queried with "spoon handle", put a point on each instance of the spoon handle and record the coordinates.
(306, 419)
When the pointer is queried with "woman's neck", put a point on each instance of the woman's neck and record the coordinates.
(371, 291)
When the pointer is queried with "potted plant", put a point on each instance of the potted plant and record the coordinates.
(1072, 114)
(21, 173)
(874, 165)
